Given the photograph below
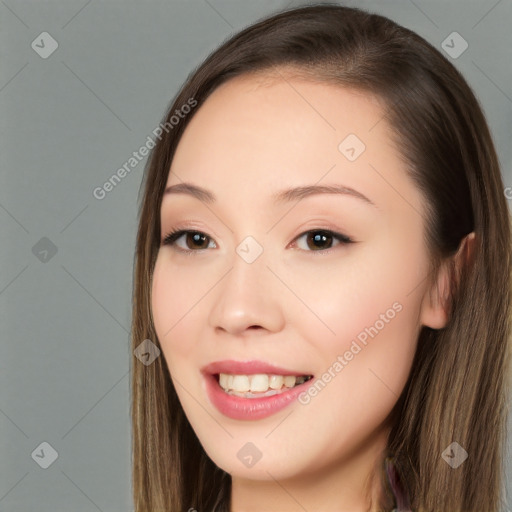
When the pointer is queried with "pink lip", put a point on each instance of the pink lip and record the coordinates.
(247, 368)
(249, 408)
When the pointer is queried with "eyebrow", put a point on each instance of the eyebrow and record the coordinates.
(281, 196)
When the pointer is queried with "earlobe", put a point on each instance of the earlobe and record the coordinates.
(435, 308)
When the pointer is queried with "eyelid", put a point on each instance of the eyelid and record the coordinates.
(342, 239)
(177, 233)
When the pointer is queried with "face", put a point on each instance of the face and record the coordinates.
(328, 285)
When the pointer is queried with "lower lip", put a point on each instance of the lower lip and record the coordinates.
(240, 408)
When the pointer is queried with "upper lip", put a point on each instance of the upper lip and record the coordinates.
(247, 368)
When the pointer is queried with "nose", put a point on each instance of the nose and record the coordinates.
(248, 298)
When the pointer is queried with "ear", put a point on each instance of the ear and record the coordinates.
(435, 306)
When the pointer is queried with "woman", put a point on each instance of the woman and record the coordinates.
(371, 375)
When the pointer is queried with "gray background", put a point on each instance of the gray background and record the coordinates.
(68, 122)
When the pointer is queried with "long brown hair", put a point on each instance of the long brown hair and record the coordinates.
(459, 382)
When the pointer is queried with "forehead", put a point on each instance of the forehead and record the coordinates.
(260, 117)
(257, 134)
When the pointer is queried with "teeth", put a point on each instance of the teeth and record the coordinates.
(241, 383)
(258, 383)
(289, 381)
(223, 380)
(262, 384)
(275, 381)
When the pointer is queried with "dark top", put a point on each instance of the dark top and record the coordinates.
(402, 500)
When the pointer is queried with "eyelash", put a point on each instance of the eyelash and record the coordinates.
(171, 238)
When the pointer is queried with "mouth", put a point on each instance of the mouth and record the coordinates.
(258, 385)
(252, 390)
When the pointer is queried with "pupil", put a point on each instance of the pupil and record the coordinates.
(319, 238)
(197, 238)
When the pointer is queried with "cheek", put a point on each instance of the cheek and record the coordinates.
(363, 369)
(178, 298)
(170, 300)
(367, 316)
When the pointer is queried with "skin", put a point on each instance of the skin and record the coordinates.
(296, 306)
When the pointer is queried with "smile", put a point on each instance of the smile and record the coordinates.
(252, 390)
(259, 385)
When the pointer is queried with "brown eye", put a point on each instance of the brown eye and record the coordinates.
(317, 240)
(321, 239)
(194, 240)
